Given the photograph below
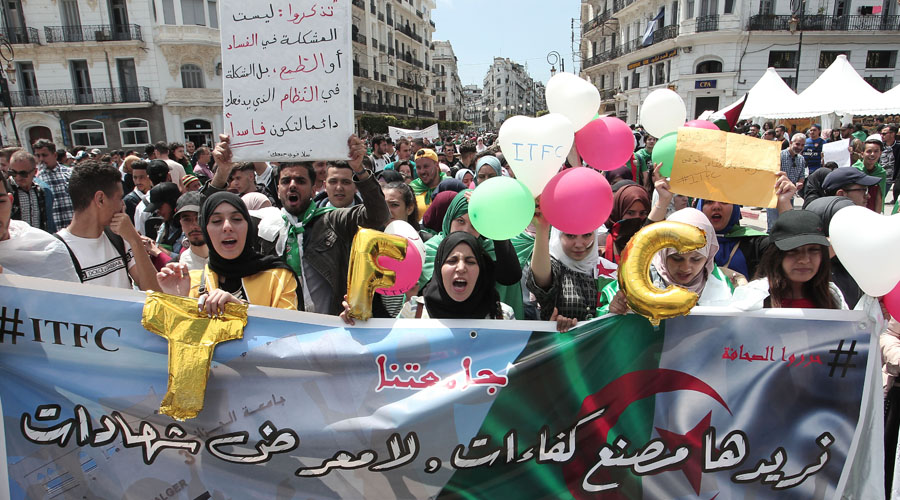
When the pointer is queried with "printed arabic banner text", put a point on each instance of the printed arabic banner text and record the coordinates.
(416, 409)
(726, 167)
(288, 83)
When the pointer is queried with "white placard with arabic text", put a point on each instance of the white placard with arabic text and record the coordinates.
(288, 82)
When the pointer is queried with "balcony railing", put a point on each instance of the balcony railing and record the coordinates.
(621, 4)
(665, 33)
(381, 16)
(390, 21)
(92, 33)
(66, 97)
(607, 94)
(390, 51)
(357, 71)
(409, 32)
(21, 35)
(597, 21)
(360, 105)
(767, 22)
(880, 83)
(409, 85)
(358, 37)
(707, 23)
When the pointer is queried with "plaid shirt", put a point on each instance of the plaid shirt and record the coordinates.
(793, 165)
(58, 180)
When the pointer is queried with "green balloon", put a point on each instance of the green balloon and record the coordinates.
(501, 208)
(664, 152)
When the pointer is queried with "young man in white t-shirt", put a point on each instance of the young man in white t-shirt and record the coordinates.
(101, 256)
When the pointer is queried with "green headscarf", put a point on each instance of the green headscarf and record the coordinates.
(509, 295)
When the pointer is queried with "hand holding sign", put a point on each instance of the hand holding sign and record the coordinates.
(536, 148)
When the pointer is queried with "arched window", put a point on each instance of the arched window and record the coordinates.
(88, 133)
(134, 132)
(191, 76)
(709, 67)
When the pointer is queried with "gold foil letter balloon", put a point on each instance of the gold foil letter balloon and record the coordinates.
(634, 270)
(365, 274)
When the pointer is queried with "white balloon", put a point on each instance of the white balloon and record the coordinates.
(861, 239)
(536, 148)
(573, 97)
(662, 112)
(402, 228)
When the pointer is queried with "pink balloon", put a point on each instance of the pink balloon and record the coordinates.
(605, 143)
(892, 301)
(408, 270)
(577, 200)
(701, 124)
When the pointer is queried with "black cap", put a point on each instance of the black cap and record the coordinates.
(165, 192)
(796, 228)
(845, 176)
(188, 202)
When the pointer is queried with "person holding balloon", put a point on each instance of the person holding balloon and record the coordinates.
(508, 267)
(563, 274)
(462, 285)
(695, 270)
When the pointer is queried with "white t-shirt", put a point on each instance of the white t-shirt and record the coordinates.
(177, 172)
(192, 260)
(265, 177)
(101, 263)
(140, 217)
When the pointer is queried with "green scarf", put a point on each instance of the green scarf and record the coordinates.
(292, 244)
(419, 187)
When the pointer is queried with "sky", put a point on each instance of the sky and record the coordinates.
(524, 31)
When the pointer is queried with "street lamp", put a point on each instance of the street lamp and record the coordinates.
(552, 59)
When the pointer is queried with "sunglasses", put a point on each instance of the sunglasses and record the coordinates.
(20, 173)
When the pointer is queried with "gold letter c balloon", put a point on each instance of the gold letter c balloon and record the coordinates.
(365, 274)
(634, 271)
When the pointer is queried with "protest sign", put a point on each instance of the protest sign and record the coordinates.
(431, 133)
(720, 166)
(740, 405)
(288, 83)
(837, 152)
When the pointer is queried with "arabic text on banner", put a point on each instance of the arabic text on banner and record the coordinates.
(756, 405)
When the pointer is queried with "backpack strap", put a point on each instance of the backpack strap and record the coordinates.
(72, 255)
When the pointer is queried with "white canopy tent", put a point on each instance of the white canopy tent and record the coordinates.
(838, 91)
(769, 95)
(892, 100)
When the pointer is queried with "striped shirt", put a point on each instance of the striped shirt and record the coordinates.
(793, 165)
(58, 180)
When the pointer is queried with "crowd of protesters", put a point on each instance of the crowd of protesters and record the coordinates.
(189, 221)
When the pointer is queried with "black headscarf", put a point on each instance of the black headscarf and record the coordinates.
(484, 298)
(249, 262)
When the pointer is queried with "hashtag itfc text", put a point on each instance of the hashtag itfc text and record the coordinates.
(15, 326)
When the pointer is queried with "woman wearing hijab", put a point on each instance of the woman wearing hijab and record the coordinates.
(631, 205)
(563, 274)
(433, 220)
(235, 271)
(461, 287)
(486, 167)
(466, 176)
(694, 270)
(508, 268)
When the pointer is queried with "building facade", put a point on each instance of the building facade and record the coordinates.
(113, 74)
(474, 110)
(713, 51)
(508, 91)
(392, 69)
(447, 85)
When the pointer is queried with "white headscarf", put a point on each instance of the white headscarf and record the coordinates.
(695, 218)
(587, 265)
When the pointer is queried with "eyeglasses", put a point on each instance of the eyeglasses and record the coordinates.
(20, 173)
(865, 190)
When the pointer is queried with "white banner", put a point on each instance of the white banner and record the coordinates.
(430, 133)
(288, 83)
(837, 152)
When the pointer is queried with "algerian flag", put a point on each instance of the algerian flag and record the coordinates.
(651, 28)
